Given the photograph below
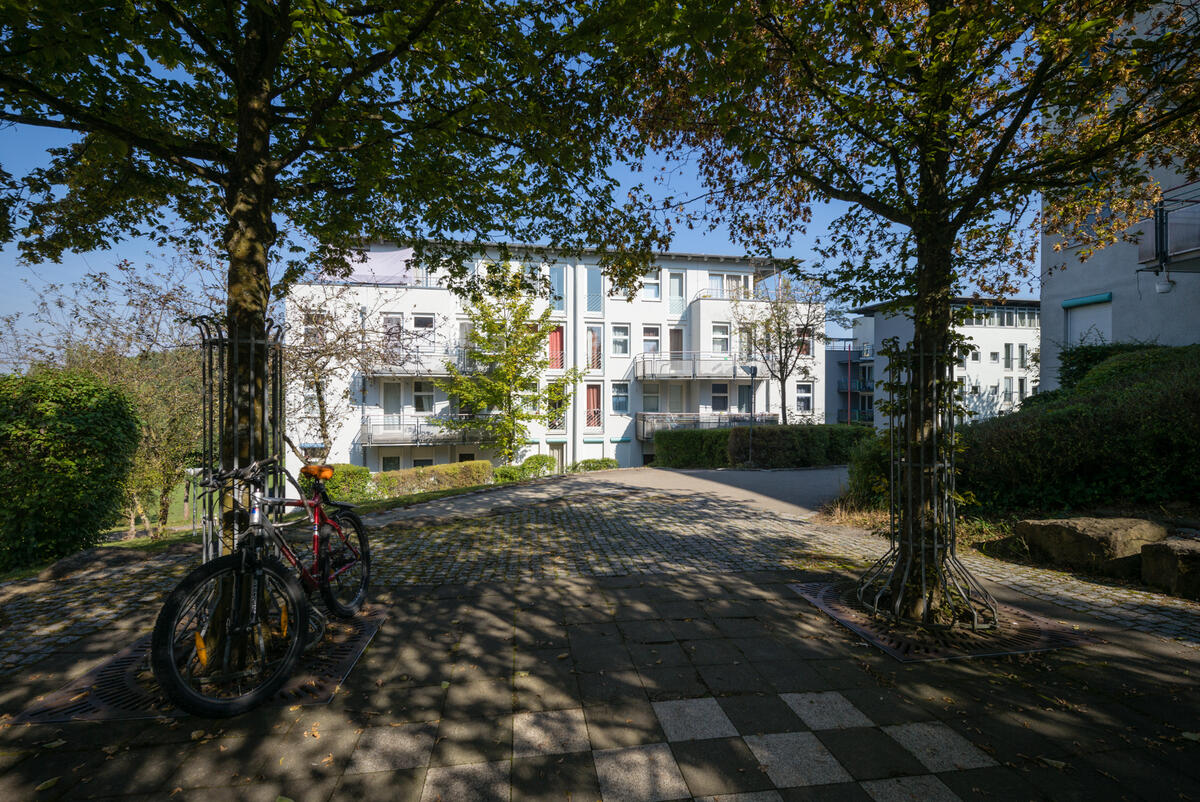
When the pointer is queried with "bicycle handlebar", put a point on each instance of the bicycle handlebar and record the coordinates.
(249, 472)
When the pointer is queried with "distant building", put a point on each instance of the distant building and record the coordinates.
(669, 357)
(995, 377)
(1148, 292)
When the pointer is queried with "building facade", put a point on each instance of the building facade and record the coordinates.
(1144, 292)
(996, 375)
(669, 357)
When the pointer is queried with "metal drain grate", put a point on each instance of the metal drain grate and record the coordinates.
(124, 688)
(1018, 632)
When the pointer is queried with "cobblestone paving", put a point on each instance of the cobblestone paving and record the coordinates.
(593, 535)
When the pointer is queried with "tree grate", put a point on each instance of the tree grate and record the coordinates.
(122, 688)
(1017, 632)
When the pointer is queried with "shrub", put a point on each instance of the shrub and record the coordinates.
(691, 448)
(538, 465)
(1076, 361)
(508, 473)
(1129, 432)
(67, 441)
(798, 446)
(389, 484)
(870, 471)
(596, 464)
(350, 483)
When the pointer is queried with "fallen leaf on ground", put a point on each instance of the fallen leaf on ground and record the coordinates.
(54, 744)
(50, 783)
(1054, 764)
(1192, 736)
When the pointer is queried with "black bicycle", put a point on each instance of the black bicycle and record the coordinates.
(232, 631)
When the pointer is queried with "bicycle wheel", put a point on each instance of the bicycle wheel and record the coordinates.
(345, 565)
(216, 654)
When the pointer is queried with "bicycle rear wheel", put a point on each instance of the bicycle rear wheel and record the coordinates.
(345, 565)
(227, 639)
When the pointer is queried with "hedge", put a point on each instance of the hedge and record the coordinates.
(389, 484)
(691, 448)
(799, 446)
(533, 467)
(67, 442)
(1075, 362)
(594, 464)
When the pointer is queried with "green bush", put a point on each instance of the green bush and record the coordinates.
(350, 483)
(1077, 361)
(691, 448)
(1129, 432)
(389, 484)
(799, 446)
(596, 464)
(508, 473)
(67, 441)
(538, 465)
(870, 471)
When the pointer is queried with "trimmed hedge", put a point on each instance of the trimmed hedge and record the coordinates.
(691, 448)
(595, 464)
(798, 446)
(389, 484)
(1077, 361)
(67, 441)
(533, 467)
(870, 472)
(350, 483)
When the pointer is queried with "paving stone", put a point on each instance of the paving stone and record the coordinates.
(549, 733)
(796, 758)
(473, 740)
(382, 786)
(651, 655)
(826, 710)
(555, 777)
(724, 680)
(606, 686)
(996, 783)
(628, 722)
(869, 754)
(672, 682)
(910, 789)
(693, 719)
(639, 774)
(485, 782)
(835, 792)
(760, 713)
(749, 796)
(389, 748)
(719, 766)
(938, 747)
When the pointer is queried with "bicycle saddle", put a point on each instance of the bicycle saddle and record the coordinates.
(321, 472)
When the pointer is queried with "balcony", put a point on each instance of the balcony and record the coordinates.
(426, 361)
(694, 365)
(1171, 238)
(650, 422)
(856, 386)
(857, 416)
(403, 430)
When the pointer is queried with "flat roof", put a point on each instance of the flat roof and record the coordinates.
(961, 300)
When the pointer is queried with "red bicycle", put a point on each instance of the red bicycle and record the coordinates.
(231, 632)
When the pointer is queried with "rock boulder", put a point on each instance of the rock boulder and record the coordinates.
(1173, 565)
(1106, 546)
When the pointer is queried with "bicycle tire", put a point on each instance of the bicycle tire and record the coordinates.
(345, 594)
(194, 625)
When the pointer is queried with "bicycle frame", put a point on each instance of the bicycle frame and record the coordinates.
(315, 508)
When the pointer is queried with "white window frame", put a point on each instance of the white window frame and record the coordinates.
(620, 390)
(714, 395)
(804, 391)
(720, 338)
(432, 318)
(652, 286)
(383, 462)
(620, 342)
(656, 339)
(651, 390)
(423, 393)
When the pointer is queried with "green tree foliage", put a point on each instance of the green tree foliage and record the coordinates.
(507, 346)
(294, 131)
(67, 442)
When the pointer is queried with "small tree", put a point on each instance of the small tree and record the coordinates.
(781, 328)
(507, 348)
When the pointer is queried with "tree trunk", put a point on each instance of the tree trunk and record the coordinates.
(783, 418)
(164, 509)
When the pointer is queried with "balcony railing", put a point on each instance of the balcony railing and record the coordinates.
(695, 365)
(427, 361)
(415, 430)
(856, 386)
(650, 422)
(857, 416)
(1172, 236)
(595, 419)
(595, 302)
(676, 305)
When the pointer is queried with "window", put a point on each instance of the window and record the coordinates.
(595, 289)
(595, 345)
(595, 414)
(1023, 356)
(393, 327)
(315, 327)
(675, 288)
(650, 339)
(652, 286)
(720, 398)
(804, 336)
(994, 357)
(620, 339)
(556, 348)
(1008, 391)
(558, 288)
(390, 463)
(466, 457)
(650, 398)
(423, 323)
(720, 338)
(620, 398)
(804, 397)
(728, 285)
(556, 419)
(1021, 389)
(423, 396)
(422, 462)
(974, 354)
(745, 401)
(1008, 356)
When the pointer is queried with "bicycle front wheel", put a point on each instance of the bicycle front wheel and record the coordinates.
(228, 637)
(345, 565)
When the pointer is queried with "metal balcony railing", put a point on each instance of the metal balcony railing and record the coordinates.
(427, 361)
(595, 419)
(857, 416)
(595, 302)
(695, 365)
(415, 430)
(1172, 236)
(676, 305)
(855, 386)
(650, 422)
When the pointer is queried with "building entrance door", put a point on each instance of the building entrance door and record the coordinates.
(676, 336)
(559, 452)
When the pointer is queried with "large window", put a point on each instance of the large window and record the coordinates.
(423, 396)
(728, 285)
(595, 413)
(595, 345)
(556, 348)
(595, 289)
(620, 339)
(423, 324)
(558, 288)
(650, 402)
(390, 463)
(652, 286)
(804, 336)
(1023, 356)
(720, 338)
(720, 397)
(1008, 356)
(620, 398)
(650, 339)
(804, 397)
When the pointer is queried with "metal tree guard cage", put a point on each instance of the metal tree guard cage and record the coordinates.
(920, 579)
(225, 439)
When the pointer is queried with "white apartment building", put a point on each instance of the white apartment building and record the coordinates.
(997, 374)
(669, 357)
